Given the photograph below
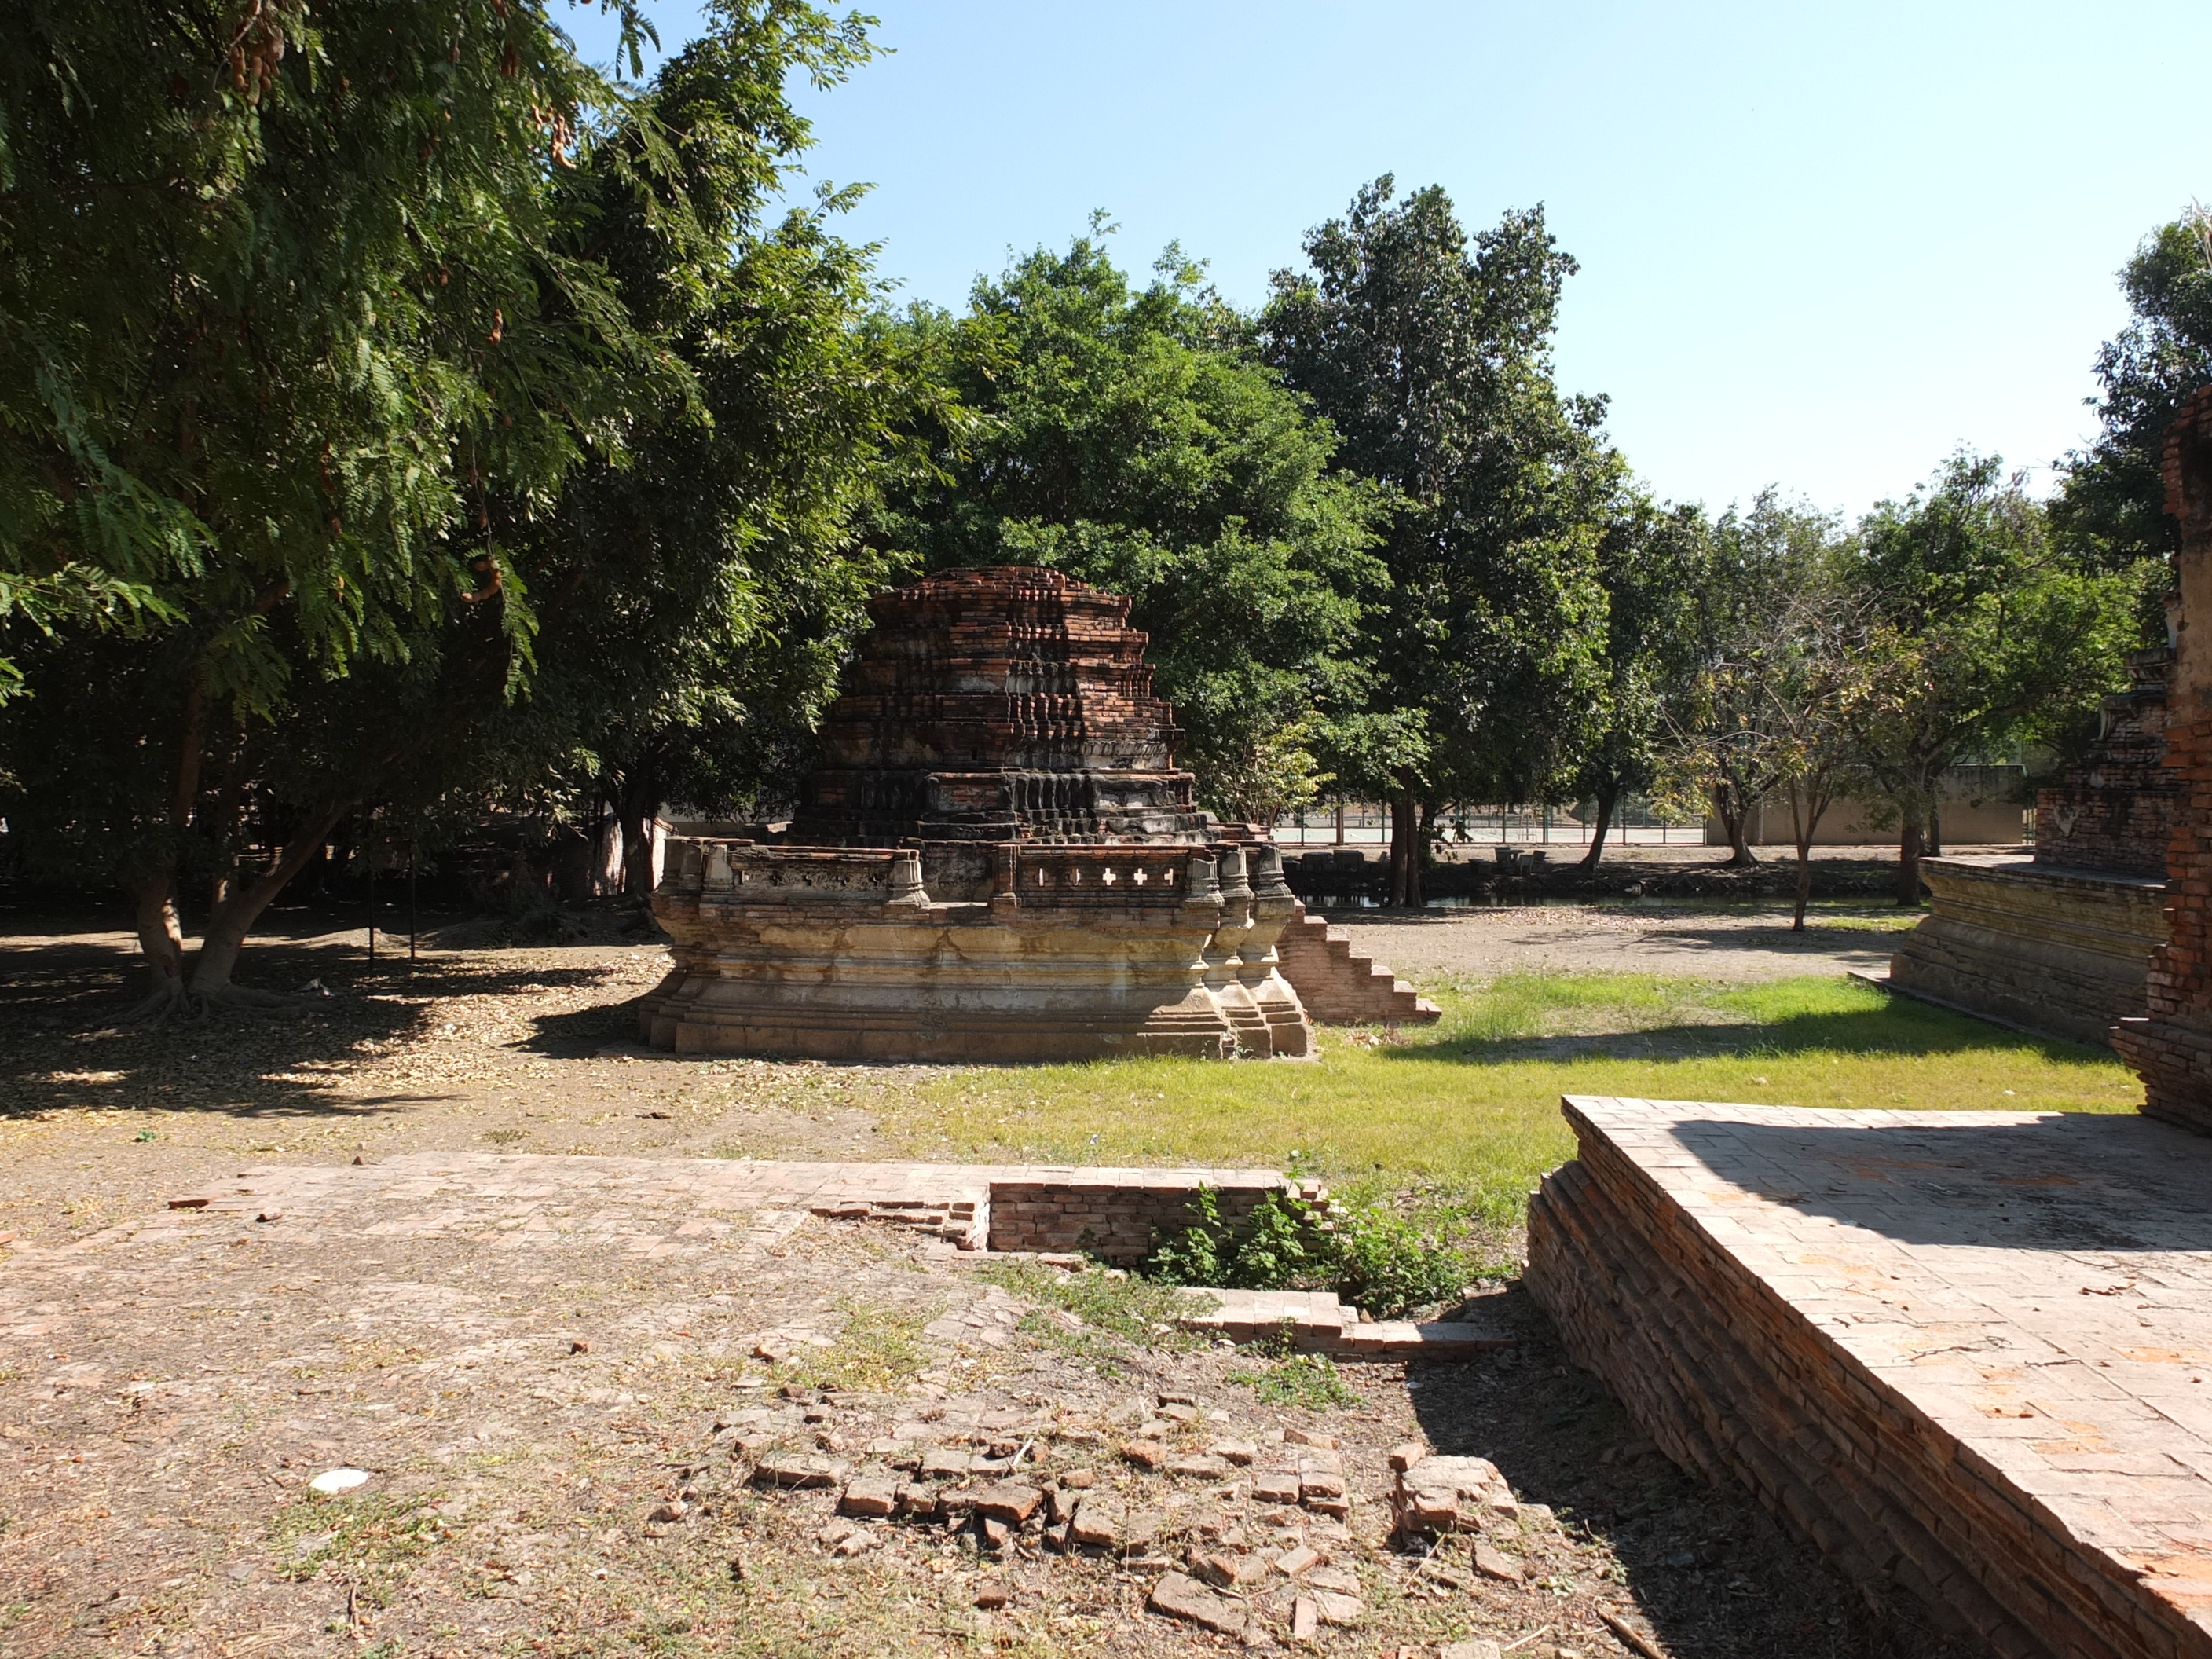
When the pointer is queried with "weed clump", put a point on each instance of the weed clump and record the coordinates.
(1103, 1305)
(1371, 1256)
(1309, 1380)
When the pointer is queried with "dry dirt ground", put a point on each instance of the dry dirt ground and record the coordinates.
(529, 1385)
(1709, 941)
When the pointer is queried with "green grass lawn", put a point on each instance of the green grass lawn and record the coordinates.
(1467, 1110)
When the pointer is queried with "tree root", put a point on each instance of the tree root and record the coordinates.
(176, 1003)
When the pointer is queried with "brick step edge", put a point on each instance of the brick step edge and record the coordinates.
(1339, 986)
(1317, 1322)
(1729, 1380)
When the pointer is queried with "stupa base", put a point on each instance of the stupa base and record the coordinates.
(842, 954)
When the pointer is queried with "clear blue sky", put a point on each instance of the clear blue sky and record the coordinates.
(1820, 246)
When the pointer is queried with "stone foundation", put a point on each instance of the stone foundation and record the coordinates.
(2057, 951)
(1964, 1353)
(1078, 953)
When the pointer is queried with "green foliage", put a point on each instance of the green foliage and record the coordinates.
(1309, 1380)
(375, 1536)
(2110, 513)
(1371, 1256)
(1980, 632)
(1124, 1306)
(1131, 437)
(449, 410)
(1431, 358)
(876, 1349)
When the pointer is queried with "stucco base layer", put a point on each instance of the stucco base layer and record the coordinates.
(1076, 953)
(1968, 1354)
(2063, 951)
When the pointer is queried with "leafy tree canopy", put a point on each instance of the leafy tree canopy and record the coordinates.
(360, 305)
(1132, 438)
(1431, 357)
(2111, 510)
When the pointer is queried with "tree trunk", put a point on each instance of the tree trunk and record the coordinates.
(635, 809)
(1910, 851)
(1935, 830)
(1805, 811)
(1735, 814)
(1405, 858)
(159, 936)
(1606, 798)
(231, 920)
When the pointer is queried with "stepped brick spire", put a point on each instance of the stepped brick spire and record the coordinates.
(997, 705)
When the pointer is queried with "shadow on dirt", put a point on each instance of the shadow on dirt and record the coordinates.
(59, 1047)
(1711, 1571)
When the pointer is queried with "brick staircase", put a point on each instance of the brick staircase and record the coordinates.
(1338, 985)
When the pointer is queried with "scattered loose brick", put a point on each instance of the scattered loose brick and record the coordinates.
(1495, 1564)
(1181, 1596)
(797, 1470)
(1145, 1454)
(1338, 1609)
(870, 1496)
(1095, 1524)
(1009, 1502)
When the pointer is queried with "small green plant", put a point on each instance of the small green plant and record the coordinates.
(1372, 1256)
(1143, 1311)
(879, 1348)
(145, 1134)
(378, 1536)
(1309, 1380)
(1388, 1266)
(506, 1136)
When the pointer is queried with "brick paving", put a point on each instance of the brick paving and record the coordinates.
(1969, 1353)
(1043, 1207)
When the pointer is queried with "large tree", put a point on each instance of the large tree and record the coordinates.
(1431, 357)
(1646, 559)
(1979, 632)
(352, 302)
(1758, 586)
(1131, 437)
(2110, 511)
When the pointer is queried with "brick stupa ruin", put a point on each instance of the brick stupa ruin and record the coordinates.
(2170, 1045)
(995, 858)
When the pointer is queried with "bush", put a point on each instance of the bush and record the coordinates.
(1372, 1257)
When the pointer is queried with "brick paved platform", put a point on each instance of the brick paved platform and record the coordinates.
(1969, 1354)
(1031, 1207)
(541, 1202)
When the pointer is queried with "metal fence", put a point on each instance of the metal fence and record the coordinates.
(1367, 824)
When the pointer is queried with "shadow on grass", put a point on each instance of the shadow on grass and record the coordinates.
(1897, 1028)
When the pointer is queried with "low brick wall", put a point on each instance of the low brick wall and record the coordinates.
(2062, 951)
(1823, 1339)
(1117, 1215)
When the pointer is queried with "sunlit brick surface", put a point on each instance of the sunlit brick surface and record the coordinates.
(1969, 1354)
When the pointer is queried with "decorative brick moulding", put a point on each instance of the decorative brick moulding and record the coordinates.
(2171, 1046)
(995, 859)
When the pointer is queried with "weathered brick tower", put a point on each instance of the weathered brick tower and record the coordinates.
(996, 858)
(2170, 1047)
